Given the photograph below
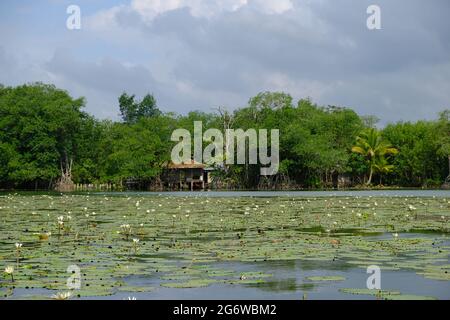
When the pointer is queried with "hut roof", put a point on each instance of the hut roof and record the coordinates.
(186, 165)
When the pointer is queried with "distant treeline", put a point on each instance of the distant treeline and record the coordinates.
(47, 139)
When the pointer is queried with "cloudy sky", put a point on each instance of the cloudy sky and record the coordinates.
(200, 54)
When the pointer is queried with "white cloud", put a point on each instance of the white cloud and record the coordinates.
(149, 9)
(272, 7)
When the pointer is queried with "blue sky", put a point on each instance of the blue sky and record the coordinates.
(200, 54)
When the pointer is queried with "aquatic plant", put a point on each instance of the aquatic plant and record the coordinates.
(220, 232)
(9, 270)
(126, 230)
(62, 296)
(135, 245)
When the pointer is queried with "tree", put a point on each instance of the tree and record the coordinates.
(420, 162)
(371, 145)
(382, 167)
(444, 137)
(38, 125)
(131, 111)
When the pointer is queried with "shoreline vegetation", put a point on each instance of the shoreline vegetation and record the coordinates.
(93, 189)
(47, 142)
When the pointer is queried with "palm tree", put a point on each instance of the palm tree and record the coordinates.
(383, 167)
(373, 148)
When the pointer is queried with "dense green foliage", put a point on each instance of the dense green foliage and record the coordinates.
(44, 132)
(374, 149)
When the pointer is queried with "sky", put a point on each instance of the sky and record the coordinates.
(202, 54)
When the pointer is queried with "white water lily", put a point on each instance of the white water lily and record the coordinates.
(18, 246)
(62, 295)
(126, 229)
(9, 270)
(136, 241)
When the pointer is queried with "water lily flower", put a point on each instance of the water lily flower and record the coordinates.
(10, 270)
(126, 230)
(62, 295)
(18, 246)
(135, 245)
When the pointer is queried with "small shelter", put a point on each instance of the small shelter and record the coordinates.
(187, 175)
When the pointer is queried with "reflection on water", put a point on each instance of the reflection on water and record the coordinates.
(290, 281)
